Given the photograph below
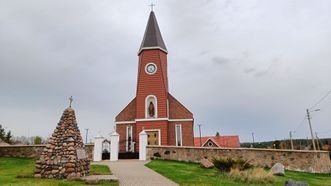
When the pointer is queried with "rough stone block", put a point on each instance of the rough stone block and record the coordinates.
(206, 163)
(278, 169)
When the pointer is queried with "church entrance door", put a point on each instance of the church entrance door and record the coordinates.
(153, 138)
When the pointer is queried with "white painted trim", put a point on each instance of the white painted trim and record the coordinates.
(124, 122)
(168, 108)
(150, 73)
(211, 139)
(152, 119)
(150, 48)
(179, 120)
(146, 106)
(181, 134)
(127, 137)
(158, 130)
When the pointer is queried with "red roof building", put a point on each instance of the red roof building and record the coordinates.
(153, 109)
(217, 141)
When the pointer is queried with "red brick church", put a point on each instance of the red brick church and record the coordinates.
(165, 120)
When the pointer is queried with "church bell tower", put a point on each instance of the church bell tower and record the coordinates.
(152, 83)
(164, 119)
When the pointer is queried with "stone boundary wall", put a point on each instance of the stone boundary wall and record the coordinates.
(33, 151)
(297, 160)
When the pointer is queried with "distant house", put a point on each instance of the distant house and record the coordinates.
(217, 141)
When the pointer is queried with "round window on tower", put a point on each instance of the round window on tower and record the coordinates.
(150, 68)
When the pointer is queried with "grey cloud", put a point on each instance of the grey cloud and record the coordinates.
(50, 50)
(249, 70)
(220, 60)
(261, 73)
(204, 52)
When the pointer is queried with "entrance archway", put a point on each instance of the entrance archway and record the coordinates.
(105, 150)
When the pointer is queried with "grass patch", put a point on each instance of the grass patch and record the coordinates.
(99, 170)
(20, 172)
(253, 175)
(192, 174)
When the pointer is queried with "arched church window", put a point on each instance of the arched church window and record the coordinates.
(151, 107)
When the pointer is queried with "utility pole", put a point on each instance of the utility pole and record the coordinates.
(200, 134)
(318, 141)
(253, 139)
(311, 130)
(86, 135)
(291, 140)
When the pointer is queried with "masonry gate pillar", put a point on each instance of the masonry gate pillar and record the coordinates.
(97, 151)
(142, 145)
(114, 146)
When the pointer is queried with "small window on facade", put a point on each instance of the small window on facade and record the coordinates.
(178, 135)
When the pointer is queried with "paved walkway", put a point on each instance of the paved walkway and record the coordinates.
(134, 173)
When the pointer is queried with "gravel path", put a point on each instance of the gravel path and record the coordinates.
(133, 172)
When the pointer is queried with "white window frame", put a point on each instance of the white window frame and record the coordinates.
(130, 127)
(181, 134)
(153, 130)
(151, 63)
(147, 104)
(168, 108)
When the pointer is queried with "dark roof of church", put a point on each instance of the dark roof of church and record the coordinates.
(152, 38)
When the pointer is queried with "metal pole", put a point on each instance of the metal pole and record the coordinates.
(86, 136)
(291, 140)
(200, 133)
(318, 141)
(311, 130)
(253, 139)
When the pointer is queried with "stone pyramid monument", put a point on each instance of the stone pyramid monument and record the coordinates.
(64, 156)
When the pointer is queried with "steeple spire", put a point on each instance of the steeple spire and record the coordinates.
(152, 38)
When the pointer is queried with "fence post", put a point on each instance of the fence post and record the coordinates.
(97, 151)
(142, 145)
(114, 146)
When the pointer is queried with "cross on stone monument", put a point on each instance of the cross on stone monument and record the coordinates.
(152, 6)
(70, 101)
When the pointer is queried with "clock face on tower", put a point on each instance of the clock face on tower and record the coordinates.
(150, 68)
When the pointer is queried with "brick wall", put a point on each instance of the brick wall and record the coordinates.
(307, 161)
(155, 84)
(32, 151)
(121, 130)
(147, 125)
(187, 133)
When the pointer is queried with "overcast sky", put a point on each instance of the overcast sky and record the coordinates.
(240, 66)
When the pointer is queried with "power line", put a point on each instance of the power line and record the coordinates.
(299, 125)
(320, 100)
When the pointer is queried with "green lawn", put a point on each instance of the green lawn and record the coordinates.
(192, 174)
(20, 171)
(99, 170)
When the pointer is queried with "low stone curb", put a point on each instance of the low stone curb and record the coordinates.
(94, 179)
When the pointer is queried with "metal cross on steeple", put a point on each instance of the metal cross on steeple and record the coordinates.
(152, 6)
(70, 101)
